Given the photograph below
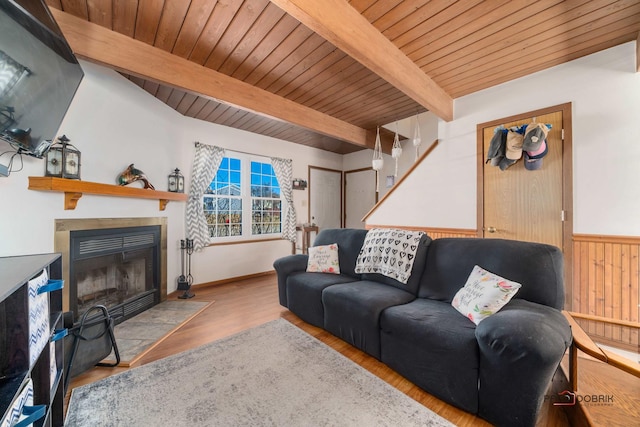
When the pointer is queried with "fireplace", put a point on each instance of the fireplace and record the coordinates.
(116, 262)
(117, 268)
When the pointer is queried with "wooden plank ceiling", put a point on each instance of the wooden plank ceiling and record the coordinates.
(460, 46)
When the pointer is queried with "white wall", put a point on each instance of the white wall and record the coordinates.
(604, 90)
(225, 261)
(114, 123)
(428, 131)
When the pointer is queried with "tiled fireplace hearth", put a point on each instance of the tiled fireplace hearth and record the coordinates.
(116, 262)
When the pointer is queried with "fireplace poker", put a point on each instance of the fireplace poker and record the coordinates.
(185, 281)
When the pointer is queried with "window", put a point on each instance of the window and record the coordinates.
(223, 201)
(266, 206)
(243, 200)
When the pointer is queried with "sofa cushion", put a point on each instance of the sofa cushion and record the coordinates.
(349, 241)
(416, 273)
(323, 259)
(430, 343)
(537, 267)
(483, 295)
(352, 312)
(304, 294)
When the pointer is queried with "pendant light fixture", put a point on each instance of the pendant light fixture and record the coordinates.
(417, 139)
(378, 162)
(396, 150)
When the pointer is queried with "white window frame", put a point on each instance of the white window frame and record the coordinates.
(245, 195)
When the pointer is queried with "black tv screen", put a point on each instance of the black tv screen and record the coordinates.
(39, 76)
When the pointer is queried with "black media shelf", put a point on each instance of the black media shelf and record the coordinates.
(17, 367)
(9, 387)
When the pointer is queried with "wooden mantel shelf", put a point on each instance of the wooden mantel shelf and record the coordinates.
(74, 189)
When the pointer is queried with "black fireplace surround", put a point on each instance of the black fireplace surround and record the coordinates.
(115, 267)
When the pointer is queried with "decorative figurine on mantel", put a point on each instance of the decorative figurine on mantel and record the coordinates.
(131, 174)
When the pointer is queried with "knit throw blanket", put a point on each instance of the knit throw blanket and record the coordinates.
(389, 252)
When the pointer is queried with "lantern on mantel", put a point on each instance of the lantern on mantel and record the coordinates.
(63, 160)
(176, 182)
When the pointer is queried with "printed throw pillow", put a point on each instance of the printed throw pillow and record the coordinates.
(484, 294)
(323, 259)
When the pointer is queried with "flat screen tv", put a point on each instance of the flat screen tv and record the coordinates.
(39, 76)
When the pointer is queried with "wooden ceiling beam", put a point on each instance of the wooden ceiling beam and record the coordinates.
(101, 45)
(344, 27)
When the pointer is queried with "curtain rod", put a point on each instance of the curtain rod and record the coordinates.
(238, 151)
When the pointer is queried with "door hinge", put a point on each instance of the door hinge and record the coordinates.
(562, 134)
(562, 215)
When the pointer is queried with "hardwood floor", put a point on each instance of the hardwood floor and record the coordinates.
(607, 395)
(247, 303)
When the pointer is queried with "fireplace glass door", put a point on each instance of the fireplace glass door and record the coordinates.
(116, 268)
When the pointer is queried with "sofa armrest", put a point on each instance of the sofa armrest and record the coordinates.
(521, 348)
(286, 266)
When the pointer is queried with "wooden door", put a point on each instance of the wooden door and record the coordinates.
(359, 196)
(522, 204)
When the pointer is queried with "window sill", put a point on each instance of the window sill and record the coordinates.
(240, 242)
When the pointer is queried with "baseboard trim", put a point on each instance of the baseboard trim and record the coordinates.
(234, 279)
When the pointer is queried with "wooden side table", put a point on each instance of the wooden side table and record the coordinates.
(306, 237)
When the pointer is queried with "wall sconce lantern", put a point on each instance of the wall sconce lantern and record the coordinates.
(298, 184)
(176, 182)
(63, 160)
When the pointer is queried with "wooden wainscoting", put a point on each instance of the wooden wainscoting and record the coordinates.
(605, 284)
(606, 277)
(434, 233)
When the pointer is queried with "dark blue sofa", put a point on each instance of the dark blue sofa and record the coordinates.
(499, 370)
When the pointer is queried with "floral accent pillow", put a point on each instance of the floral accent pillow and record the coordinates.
(484, 294)
(323, 259)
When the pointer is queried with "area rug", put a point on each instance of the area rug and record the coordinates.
(271, 375)
(137, 336)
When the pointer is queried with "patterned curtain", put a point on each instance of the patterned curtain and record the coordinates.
(284, 173)
(205, 165)
(10, 73)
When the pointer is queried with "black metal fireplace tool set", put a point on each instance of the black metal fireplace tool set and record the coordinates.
(185, 280)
